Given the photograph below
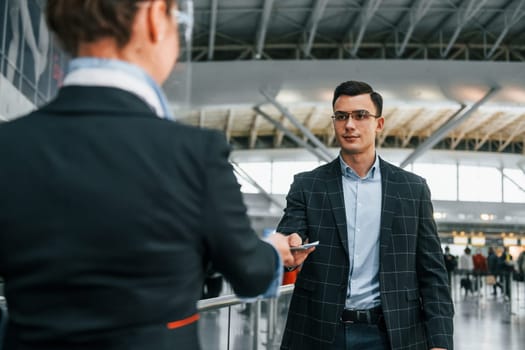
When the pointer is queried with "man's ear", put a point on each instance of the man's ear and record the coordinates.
(380, 123)
(157, 20)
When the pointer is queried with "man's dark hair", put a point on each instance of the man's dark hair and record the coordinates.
(355, 88)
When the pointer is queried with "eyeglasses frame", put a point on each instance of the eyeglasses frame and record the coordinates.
(184, 19)
(353, 114)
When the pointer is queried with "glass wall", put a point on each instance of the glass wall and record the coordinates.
(446, 181)
(479, 184)
(441, 179)
(29, 58)
(513, 186)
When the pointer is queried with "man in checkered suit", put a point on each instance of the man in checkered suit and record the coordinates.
(377, 280)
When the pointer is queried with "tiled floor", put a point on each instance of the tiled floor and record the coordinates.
(485, 321)
(482, 322)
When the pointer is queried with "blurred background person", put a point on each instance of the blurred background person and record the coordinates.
(480, 268)
(110, 212)
(466, 265)
(450, 264)
(521, 266)
(505, 269)
(492, 264)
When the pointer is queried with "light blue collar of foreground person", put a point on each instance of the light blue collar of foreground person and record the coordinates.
(92, 71)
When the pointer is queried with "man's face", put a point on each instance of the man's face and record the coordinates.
(357, 136)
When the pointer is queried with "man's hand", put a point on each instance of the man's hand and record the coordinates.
(280, 242)
(299, 256)
(283, 243)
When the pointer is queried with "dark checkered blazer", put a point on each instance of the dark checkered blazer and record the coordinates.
(414, 289)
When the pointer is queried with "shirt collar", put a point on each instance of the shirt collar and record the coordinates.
(346, 170)
(117, 74)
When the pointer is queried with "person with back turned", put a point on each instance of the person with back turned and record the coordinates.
(450, 264)
(377, 279)
(110, 212)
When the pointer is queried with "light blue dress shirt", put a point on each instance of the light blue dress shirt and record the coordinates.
(362, 198)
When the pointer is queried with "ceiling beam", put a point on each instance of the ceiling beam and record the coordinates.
(512, 180)
(260, 37)
(202, 116)
(279, 136)
(515, 49)
(511, 137)
(292, 136)
(213, 28)
(368, 12)
(312, 24)
(308, 121)
(464, 16)
(492, 130)
(446, 128)
(253, 131)
(472, 125)
(511, 17)
(306, 132)
(418, 122)
(415, 15)
(228, 125)
(243, 174)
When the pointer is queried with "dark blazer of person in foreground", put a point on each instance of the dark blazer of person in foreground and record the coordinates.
(109, 212)
(413, 290)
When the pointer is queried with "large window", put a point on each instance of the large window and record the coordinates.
(273, 177)
(260, 172)
(513, 186)
(283, 173)
(446, 181)
(479, 184)
(441, 179)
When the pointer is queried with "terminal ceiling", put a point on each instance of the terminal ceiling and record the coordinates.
(452, 73)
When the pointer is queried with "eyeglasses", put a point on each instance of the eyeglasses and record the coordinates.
(357, 115)
(184, 17)
(185, 22)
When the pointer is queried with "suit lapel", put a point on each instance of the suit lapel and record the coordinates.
(336, 197)
(388, 202)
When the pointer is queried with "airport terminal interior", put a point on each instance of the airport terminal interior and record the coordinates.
(452, 76)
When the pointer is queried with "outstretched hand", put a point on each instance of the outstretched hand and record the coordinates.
(299, 256)
(280, 242)
(283, 243)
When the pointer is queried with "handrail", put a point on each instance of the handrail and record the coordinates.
(223, 300)
(231, 299)
(226, 301)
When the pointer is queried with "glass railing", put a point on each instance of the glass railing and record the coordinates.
(229, 323)
(3, 318)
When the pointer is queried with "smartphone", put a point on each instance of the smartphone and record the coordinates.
(305, 246)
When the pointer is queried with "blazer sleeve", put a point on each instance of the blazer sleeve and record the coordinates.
(432, 276)
(294, 218)
(247, 262)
